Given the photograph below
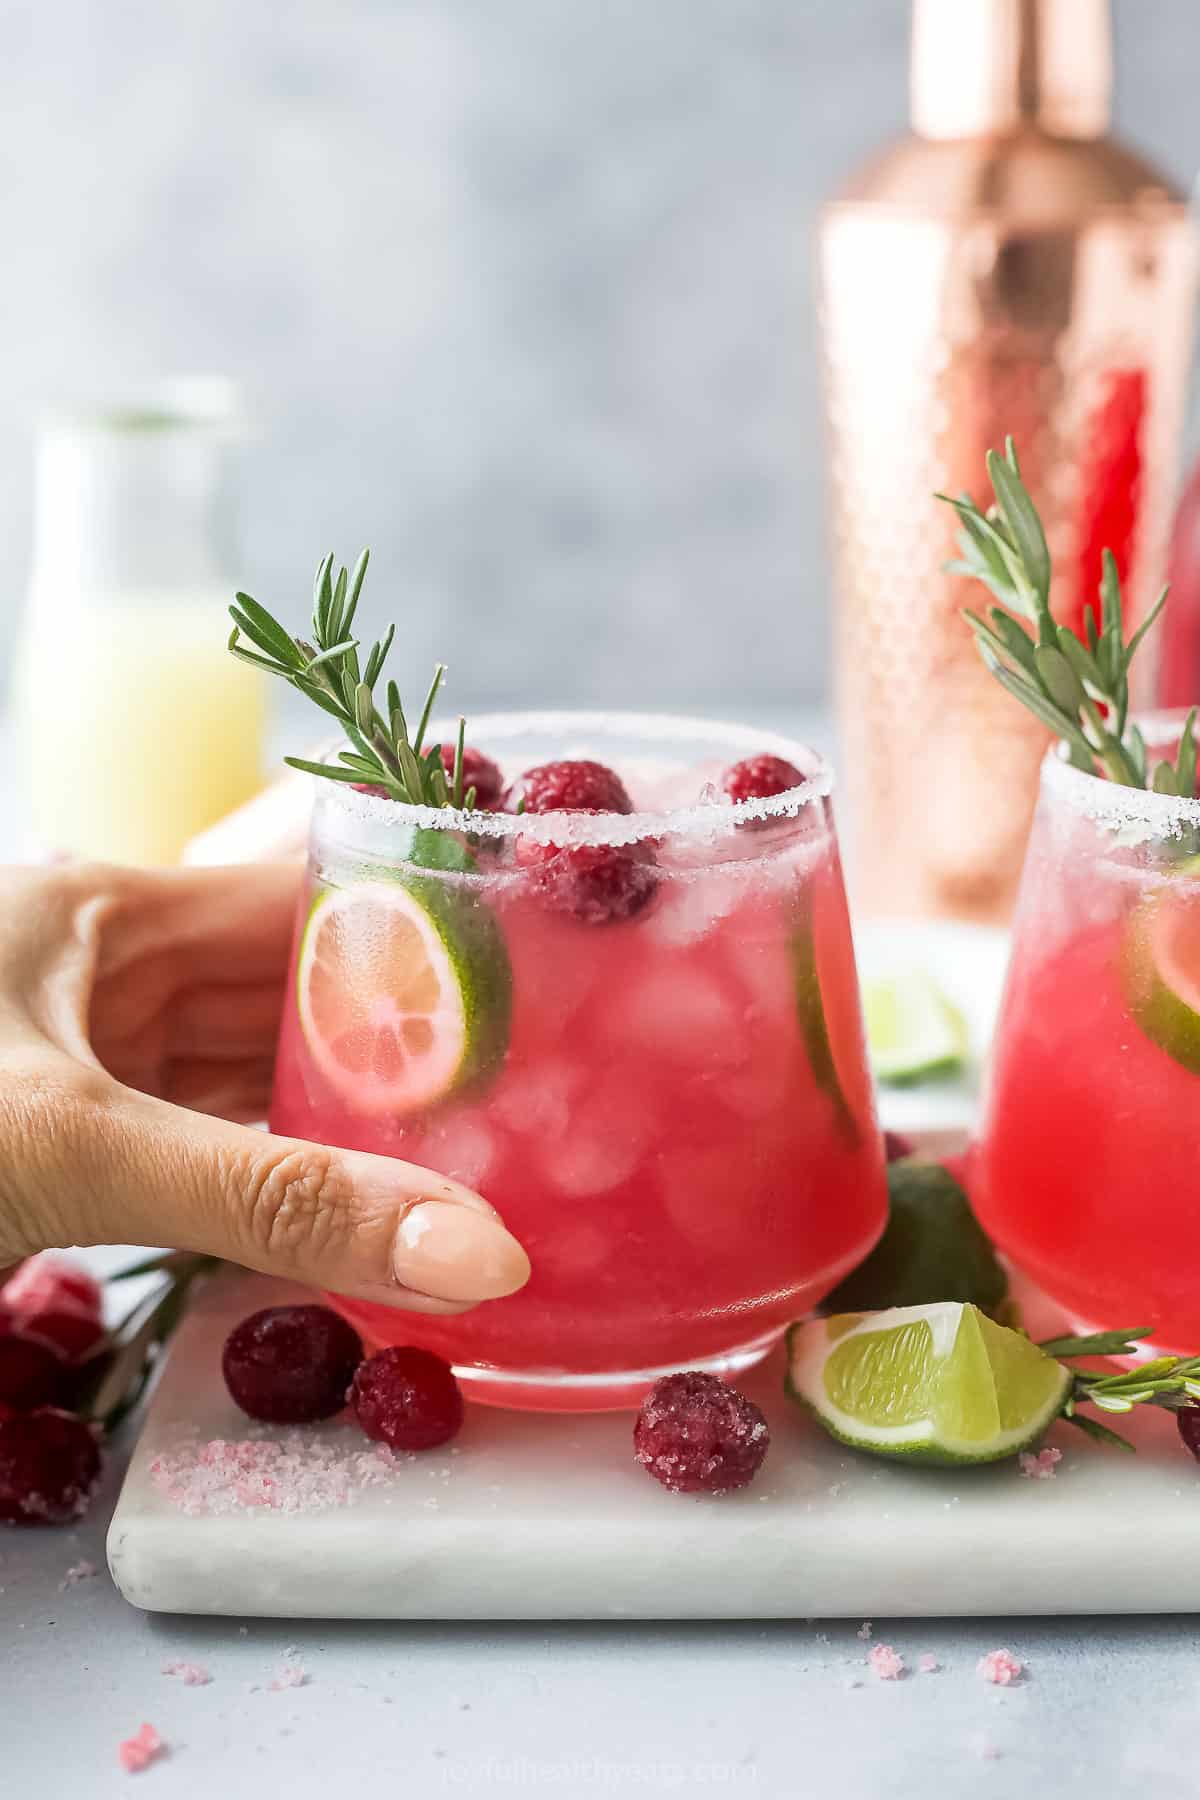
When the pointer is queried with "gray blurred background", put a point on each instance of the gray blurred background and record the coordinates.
(519, 291)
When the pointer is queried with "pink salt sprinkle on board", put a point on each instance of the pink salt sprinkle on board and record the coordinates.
(138, 1752)
(191, 1674)
(929, 1664)
(1000, 1667)
(885, 1662)
(1040, 1466)
(294, 1473)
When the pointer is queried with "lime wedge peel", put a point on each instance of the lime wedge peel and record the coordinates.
(939, 1384)
(403, 992)
(914, 1033)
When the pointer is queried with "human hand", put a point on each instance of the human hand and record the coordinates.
(138, 1015)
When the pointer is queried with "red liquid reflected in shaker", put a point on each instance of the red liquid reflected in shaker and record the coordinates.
(1179, 667)
(1110, 490)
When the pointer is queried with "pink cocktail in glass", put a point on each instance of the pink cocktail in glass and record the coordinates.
(668, 1104)
(1086, 1170)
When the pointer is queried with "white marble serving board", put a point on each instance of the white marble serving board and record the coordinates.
(548, 1517)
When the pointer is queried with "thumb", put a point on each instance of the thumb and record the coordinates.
(368, 1226)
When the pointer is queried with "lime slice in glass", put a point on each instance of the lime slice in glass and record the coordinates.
(913, 1032)
(403, 990)
(1161, 966)
(931, 1384)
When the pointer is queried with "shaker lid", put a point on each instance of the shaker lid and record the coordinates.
(987, 67)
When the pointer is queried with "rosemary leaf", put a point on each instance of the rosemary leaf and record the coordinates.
(336, 623)
(1021, 517)
(1099, 1433)
(266, 632)
(356, 582)
(1096, 1343)
(329, 770)
(434, 687)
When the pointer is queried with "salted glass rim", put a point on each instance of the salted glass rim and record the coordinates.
(602, 828)
(1107, 802)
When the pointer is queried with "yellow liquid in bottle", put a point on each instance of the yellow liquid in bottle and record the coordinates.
(137, 727)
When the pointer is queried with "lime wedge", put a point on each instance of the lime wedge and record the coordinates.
(913, 1032)
(933, 1248)
(403, 992)
(1160, 966)
(931, 1384)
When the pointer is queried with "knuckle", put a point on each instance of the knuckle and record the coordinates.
(296, 1204)
(51, 1110)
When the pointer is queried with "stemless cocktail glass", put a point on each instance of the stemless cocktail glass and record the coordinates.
(1087, 1167)
(669, 1107)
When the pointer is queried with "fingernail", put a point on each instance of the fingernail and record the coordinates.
(456, 1253)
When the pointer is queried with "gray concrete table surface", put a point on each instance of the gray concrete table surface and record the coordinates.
(779, 1711)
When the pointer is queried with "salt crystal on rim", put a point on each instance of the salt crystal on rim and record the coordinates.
(864, 1630)
(138, 1752)
(191, 1674)
(1039, 1466)
(1000, 1667)
(885, 1662)
(291, 1473)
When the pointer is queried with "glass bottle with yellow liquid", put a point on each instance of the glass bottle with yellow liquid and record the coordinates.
(137, 729)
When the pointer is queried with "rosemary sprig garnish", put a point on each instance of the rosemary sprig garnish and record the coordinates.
(328, 672)
(1079, 689)
(1168, 1381)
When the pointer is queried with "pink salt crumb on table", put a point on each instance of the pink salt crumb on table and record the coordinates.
(138, 1752)
(929, 1664)
(290, 1676)
(1000, 1667)
(83, 1570)
(1039, 1465)
(191, 1674)
(886, 1662)
(984, 1747)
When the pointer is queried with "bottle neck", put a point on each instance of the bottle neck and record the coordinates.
(129, 511)
(984, 68)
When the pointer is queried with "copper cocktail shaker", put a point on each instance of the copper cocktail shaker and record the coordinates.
(1006, 268)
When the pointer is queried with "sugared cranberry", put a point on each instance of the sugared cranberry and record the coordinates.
(759, 778)
(1188, 1421)
(72, 1333)
(480, 773)
(569, 787)
(407, 1398)
(601, 884)
(50, 1283)
(697, 1435)
(49, 1467)
(291, 1365)
(896, 1146)
(31, 1372)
